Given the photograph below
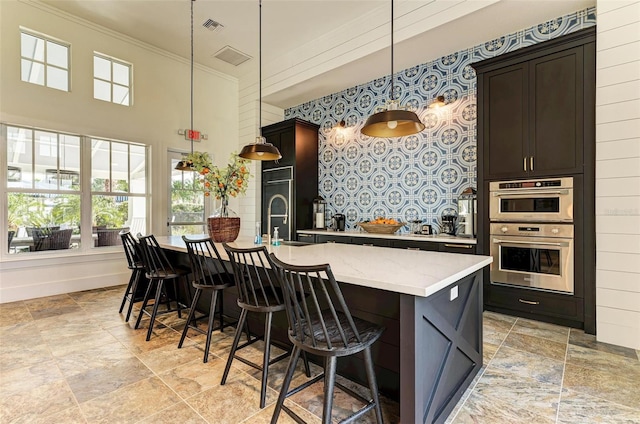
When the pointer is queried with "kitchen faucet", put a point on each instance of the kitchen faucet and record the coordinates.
(269, 216)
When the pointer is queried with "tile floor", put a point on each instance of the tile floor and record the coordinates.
(72, 359)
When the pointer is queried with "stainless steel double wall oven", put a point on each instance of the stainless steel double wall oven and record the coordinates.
(532, 233)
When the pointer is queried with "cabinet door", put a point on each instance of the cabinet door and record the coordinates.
(371, 241)
(307, 238)
(415, 245)
(506, 121)
(273, 138)
(333, 239)
(556, 113)
(468, 249)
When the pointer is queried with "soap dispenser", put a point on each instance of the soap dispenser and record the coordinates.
(276, 239)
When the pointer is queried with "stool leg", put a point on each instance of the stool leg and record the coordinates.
(265, 361)
(126, 292)
(192, 313)
(234, 346)
(373, 385)
(222, 311)
(155, 308)
(145, 301)
(288, 376)
(307, 370)
(134, 288)
(212, 314)
(329, 384)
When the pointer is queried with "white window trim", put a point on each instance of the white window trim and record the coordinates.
(46, 37)
(113, 60)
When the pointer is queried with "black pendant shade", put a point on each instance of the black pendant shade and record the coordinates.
(260, 150)
(392, 123)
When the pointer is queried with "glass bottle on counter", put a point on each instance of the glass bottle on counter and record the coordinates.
(258, 235)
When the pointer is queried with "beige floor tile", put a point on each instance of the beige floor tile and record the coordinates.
(265, 415)
(68, 416)
(536, 345)
(14, 313)
(488, 351)
(43, 400)
(178, 413)
(65, 345)
(612, 386)
(580, 338)
(51, 306)
(542, 330)
(77, 322)
(220, 404)
(580, 408)
(81, 361)
(169, 356)
(603, 361)
(479, 408)
(24, 379)
(194, 377)
(528, 365)
(20, 335)
(14, 357)
(99, 381)
(135, 340)
(131, 403)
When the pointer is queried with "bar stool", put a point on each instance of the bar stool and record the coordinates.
(324, 327)
(208, 274)
(159, 270)
(257, 292)
(134, 263)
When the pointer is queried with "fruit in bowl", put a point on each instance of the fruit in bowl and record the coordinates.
(381, 225)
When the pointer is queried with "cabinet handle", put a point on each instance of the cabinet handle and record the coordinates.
(461, 246)
(524, 163)
(367, 244)
(528, 302)
(531, 163)
(330, 241)
(413, 248)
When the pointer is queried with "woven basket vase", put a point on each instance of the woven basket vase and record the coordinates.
(223, 230)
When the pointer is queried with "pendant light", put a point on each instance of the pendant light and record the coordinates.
(393, 122)
(187, 165)
(260, 150)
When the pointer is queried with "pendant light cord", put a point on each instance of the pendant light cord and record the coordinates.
(260, 71)
(392, 51)
(191, 128)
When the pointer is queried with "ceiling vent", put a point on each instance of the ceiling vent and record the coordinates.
(212, 25)
(230, 55)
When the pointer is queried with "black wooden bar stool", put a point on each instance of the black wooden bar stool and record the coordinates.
(134, 263)
(209, 274)
(324, 326)
(257, 292)
(159, 270)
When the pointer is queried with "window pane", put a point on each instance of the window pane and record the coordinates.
(32, 72)
(101, 68)
(121, 74)
(138, 169)
(100, 160)
(57, 55)
(19, 154)
(187, 230)
(51, 212)
(120, 167)
(109, 211)
(57, 78)
(69, 174)
(120, 95)
(101, 90)
(32, 47)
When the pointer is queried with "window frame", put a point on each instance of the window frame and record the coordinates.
(173, 155)
(111, 83)
(47, 39)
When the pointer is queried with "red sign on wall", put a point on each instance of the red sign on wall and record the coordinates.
(192, 135)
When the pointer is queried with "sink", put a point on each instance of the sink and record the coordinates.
(294, 243)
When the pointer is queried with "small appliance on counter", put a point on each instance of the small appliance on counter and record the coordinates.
(319, 213)
(448, 225)
(467, 213)
(338, 222)
(415, 226)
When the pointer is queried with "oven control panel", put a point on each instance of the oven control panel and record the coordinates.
(532, 230)
(566, 182)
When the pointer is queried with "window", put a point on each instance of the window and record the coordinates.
(111, 80)
(46, 171)
(44, 61)
(187, 209)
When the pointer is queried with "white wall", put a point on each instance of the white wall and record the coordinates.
(161, 106)
(618, 173)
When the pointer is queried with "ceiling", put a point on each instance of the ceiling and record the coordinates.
(289, 24)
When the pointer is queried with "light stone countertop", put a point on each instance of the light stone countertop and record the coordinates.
(412, 272)
(437, 238)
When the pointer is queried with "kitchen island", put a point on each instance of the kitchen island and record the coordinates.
(430, 304)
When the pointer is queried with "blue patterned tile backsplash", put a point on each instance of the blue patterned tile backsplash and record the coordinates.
(418, 176)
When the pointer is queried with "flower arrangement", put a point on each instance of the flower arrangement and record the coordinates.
(221, 183)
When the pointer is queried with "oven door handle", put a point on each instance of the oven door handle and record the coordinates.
(540, 243)
(530, 193)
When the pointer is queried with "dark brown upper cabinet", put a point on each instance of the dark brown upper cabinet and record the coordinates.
(531, 119)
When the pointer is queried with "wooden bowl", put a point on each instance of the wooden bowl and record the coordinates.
(380, 228)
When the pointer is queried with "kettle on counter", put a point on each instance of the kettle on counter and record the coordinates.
(338, 222)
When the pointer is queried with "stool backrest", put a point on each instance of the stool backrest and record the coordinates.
(131, 249)
(254, 277)
(324, 318)
(154, 260)
(206, 263)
